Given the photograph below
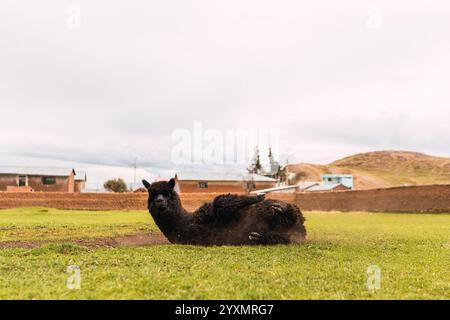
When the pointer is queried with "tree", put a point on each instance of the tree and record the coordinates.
(255, 166)
(116, 185)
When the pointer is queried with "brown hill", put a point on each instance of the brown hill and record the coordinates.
(382, 169)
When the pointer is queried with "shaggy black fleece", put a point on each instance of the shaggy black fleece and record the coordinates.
(228, 220)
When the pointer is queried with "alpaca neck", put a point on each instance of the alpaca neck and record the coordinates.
(172, 221)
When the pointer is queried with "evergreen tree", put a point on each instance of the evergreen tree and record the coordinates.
(255, 166)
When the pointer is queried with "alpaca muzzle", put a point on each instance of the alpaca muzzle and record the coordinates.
(160, 202)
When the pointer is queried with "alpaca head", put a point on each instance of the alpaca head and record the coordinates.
(162, 198)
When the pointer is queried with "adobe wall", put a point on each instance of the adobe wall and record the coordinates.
(434, 198)
(62, 184)
(7, 180)
(220, 186)
(431, 198)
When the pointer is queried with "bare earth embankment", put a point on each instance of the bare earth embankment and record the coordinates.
(382, 169)
(430, 198)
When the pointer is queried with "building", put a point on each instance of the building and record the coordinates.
(80, 181)
(212, 182)
(301, 186)
(30, 179)
(305, 185)
(281, 189)
(274, 171)
(345, 179)
(327, 187)
(135, 186)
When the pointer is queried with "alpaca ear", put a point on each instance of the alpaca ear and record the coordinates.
(146, 184)
(172, 183)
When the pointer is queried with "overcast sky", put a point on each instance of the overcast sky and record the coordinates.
(333, 77)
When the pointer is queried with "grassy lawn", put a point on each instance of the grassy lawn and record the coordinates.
(50, 224)
(411, 250)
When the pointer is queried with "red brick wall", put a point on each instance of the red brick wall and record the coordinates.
(220, 186)
(7, 180)
(19, 189)
(434, 198)
(61, 185)
(340, 187)
(79, 186)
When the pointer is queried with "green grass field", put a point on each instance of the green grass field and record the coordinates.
(411, 250)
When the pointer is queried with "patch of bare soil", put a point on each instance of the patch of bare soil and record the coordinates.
(136, 240)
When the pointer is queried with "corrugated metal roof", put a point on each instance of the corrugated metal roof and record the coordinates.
(36, 171)
(303, 185)
(323, 187)
(336, 175)
(222, 176)
(275, 189)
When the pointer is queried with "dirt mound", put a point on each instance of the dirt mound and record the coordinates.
(382, 169)
(141, 239)
(388, 160)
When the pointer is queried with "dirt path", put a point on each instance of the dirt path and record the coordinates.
(141, 239)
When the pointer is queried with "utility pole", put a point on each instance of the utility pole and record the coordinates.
(135, 169)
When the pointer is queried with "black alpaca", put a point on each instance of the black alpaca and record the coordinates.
(227, 220)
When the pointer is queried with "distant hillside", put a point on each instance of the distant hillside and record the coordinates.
(382, 169)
